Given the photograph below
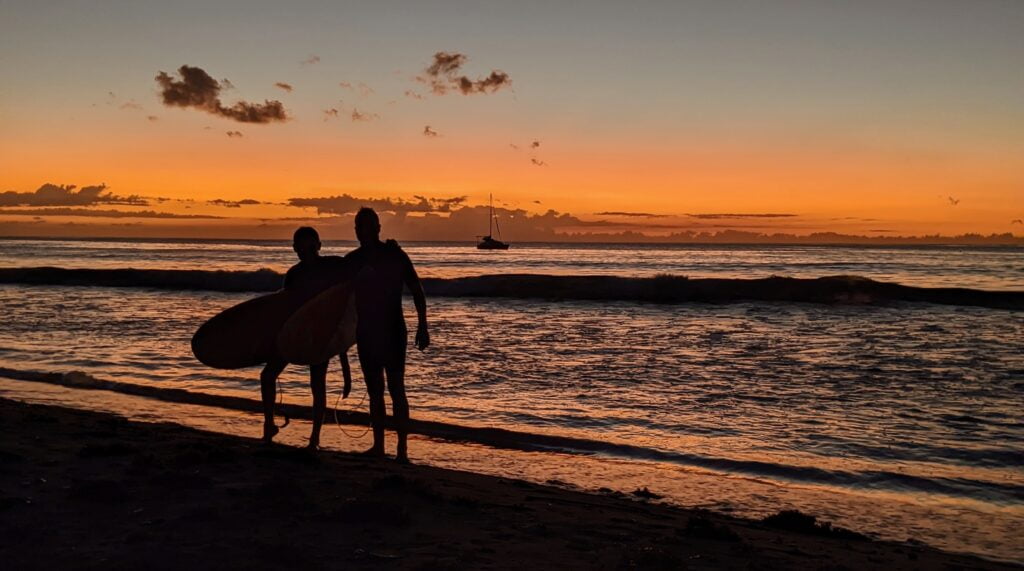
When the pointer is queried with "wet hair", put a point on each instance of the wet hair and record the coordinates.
(306, 233)
(367, 215)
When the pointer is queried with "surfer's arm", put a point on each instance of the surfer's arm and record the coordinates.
(412, 281)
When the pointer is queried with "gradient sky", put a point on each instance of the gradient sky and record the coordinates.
(859, 117)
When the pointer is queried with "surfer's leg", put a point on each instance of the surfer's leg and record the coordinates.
(318, 384)
(399, 408)
(399, 402)
(268, 392)
(373, 374)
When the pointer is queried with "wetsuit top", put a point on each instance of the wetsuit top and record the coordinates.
(382, 270)
(308, 278)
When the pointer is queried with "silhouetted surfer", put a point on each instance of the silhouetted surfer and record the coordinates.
(381, 336)
(313, 274)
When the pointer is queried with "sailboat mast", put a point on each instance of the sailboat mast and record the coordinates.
(490, 219)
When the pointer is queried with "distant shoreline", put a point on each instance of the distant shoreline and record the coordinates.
(999, 241)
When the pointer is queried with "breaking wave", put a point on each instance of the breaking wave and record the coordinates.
(659, 289)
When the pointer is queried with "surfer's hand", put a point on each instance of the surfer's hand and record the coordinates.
(422, 337)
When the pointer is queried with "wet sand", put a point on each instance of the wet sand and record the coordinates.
(82, 489)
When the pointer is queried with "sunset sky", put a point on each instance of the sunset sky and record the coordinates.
(869, 118)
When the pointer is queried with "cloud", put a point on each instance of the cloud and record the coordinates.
(131, 105)
(152, 118)
(64, 211)
(65, 195)
(428, 132)
(284, 86)
(233, 203)
(412, 94)
(361, 88)
(538, 162)
(347, 204)
(443, 75)
(312, 59)
(725, 216)
(1017, 221)
(358, 116)
(490, 84)
(953, 201)
(234, 134)
(331, 113)
(194, 88)
(631, 214)
(535, 144)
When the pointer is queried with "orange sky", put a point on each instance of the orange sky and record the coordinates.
(884, 148)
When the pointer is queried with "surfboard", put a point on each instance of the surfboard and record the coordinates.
(322, 328)
(245, 334)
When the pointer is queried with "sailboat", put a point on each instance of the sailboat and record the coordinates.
(488, 242)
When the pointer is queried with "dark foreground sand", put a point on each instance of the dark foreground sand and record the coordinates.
(88, 490)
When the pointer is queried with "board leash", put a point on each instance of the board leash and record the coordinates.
(337, 422)
(280, 404)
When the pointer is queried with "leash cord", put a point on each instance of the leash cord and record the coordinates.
(337, 422)
(280, 404)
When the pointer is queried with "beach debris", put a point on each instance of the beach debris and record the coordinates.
(799, 522)
(646, 494)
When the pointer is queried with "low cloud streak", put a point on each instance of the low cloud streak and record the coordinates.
(66, 195)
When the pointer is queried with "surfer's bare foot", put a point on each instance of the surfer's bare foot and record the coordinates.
(269, 432)
(402, 454)
(375, 452)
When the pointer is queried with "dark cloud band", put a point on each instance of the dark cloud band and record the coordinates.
(66, 195)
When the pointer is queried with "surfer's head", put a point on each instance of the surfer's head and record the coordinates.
(367, 226)
(306, 242)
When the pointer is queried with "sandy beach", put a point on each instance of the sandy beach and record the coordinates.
(83, 489)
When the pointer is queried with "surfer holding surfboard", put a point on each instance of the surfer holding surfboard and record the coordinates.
(304, 281)
(382, 270)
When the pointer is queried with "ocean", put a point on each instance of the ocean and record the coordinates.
(902, 420)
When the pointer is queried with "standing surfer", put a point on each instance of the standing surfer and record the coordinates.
(383, 268)
(313, 274)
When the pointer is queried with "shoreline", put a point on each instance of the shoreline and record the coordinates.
(490, 436)
(81, 488)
